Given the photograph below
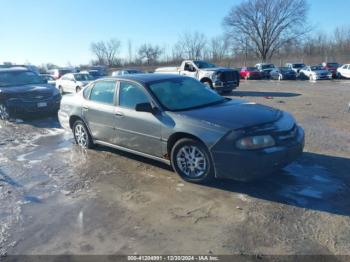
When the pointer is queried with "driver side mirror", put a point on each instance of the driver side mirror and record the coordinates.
(144, 107)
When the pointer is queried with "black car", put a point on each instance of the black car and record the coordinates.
(25, 92)
(283, 73)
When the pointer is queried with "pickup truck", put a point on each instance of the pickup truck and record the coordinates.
(218, 78)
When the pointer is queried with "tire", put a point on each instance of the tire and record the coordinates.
(4, 112)
(81, 135)
(77, 89)
(208, 84)
(185, 160)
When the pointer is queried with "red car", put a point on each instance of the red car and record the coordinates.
(250, 73)
(331, 67)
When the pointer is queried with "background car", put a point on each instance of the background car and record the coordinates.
(58, 72)
(250, 73)
(283, 73)
(344, 71)
(315, 73)
(102, 70)
(175, 120)
(331, 67)
(127, 72)
(73, 83)
(25, 92)
(49, 79)
(265, 69)
(296, 67)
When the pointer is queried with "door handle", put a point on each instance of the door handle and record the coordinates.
(85, 108)
(119, 114)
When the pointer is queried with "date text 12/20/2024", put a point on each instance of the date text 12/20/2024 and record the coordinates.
(173, 258)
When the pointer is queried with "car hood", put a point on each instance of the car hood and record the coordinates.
(215, 69)
(38, 89)
(321, 71)
(234, 114)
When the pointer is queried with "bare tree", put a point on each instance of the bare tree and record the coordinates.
(191, 45)
(219, 48)
(149, 52)
(106, 51)
(267, 25)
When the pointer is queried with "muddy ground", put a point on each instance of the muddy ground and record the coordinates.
(58, 199)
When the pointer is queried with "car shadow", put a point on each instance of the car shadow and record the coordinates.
(38, 121)
(316, 182)
(263, 94)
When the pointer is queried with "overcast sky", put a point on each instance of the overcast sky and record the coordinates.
(60, 31)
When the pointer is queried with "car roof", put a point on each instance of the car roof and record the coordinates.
(14, 68)
(146, 78)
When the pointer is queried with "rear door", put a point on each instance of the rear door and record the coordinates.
(99, 111)
(140, 131)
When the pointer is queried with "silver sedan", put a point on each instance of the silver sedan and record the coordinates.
(179, 121)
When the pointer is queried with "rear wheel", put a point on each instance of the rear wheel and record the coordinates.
(4, 112)
(81, 135)
(192, 161)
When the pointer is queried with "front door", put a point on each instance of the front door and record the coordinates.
(99, 111)
(189, 70)
(140, 131)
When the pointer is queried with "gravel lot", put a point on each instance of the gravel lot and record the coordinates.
(58, 199)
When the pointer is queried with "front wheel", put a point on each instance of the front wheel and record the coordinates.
(192, 161)
(81, 135)
(208, 84)
(4, 112)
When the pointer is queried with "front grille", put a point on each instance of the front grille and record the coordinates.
(228, 76)
(35, 97)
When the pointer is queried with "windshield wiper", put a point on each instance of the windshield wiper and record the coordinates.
(204, 105)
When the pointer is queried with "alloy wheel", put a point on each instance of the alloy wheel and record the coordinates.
(191, 161)
(81, 136)
(4, 113)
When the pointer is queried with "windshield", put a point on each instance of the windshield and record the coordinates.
(134, 71)
(267, 66)
(284, 69)
(19, 78)
(298, 65)
(83, 77)
(332, 64)
(203, 64)
(184, 94)
(313, 68)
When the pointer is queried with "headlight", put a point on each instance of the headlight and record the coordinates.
(216, 77)
(255, 142)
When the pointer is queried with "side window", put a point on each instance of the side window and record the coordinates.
(86, 92)
(103, 92)
(131, 94)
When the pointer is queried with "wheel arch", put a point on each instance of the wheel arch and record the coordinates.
(176, 137)
(206, 79)
(74, 118)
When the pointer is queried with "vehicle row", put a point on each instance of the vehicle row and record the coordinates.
(172, 118)
(296, 71)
